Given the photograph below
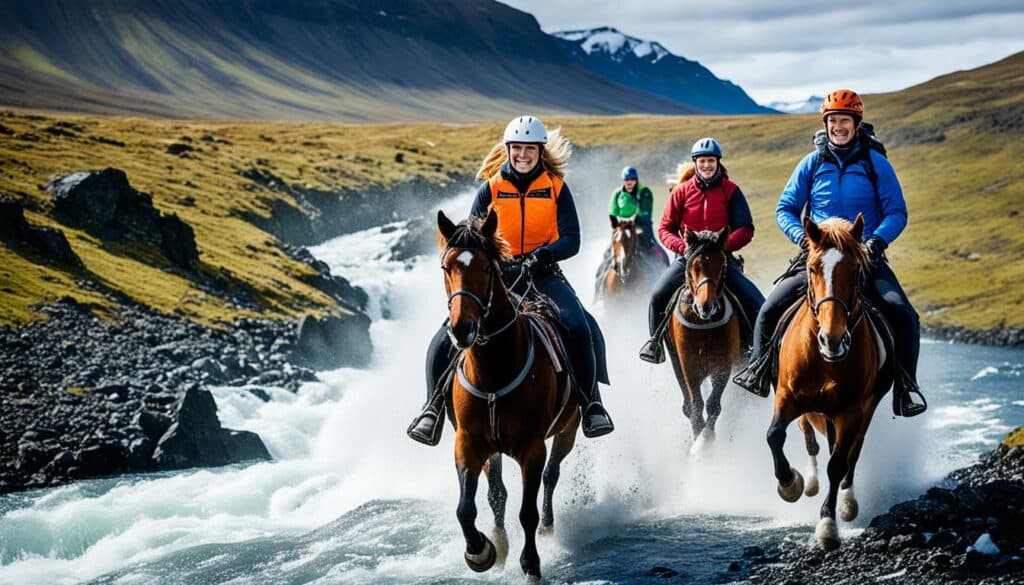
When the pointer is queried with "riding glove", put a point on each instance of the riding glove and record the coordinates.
(876, 248)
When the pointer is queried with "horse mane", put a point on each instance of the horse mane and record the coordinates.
(467, 235)
(554, 155)
(836, 233)
(685, 171)
(705, 238)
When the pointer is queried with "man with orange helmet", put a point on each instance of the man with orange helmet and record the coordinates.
(847, 174)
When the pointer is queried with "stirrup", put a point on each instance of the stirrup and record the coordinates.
(754, 379)
(426, 428)
(903, 388)
(653, 351)
(600, 428)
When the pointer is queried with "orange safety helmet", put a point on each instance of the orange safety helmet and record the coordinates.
(842, 101)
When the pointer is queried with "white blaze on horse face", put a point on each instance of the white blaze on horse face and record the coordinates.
(621, 256)
(465, 258)
(829, 261)
(627, 233)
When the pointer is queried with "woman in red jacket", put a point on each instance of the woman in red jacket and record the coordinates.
(704, 199)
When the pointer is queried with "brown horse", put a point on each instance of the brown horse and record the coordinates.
(625, 272)
(704, 333)
(508, 396)
(830, 372)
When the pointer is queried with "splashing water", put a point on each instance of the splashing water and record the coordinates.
(349, 498)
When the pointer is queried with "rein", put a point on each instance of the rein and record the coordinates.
(815, 306)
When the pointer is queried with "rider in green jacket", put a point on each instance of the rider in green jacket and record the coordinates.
(635, 199)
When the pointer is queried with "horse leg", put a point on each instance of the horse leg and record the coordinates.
(691, 388)
(846, 431)
(811, 485)
(714, 405)
(791, 483)
(497, 495)
(480, 553)
(532, 465)
(677, 369)
(848, 506)
(560, 447)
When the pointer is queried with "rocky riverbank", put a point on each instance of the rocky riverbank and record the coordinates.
(966, 530)
(85, 396)
(1000, 336)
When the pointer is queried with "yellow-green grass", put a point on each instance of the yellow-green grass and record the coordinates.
(964, 192)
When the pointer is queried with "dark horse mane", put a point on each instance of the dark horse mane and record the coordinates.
(468, 236)
(705, 238)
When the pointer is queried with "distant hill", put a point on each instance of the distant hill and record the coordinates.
(648, 66)
(298, 60)
(808, 106)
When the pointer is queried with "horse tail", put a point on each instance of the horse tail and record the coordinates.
(555, 156)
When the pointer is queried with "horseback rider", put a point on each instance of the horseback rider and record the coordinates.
(537, 217)
(704, 199)
(635, 199)
(842, 178)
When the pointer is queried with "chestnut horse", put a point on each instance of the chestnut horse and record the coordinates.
(704, 333)
(625, 271)
(508, 396)
(830, 372)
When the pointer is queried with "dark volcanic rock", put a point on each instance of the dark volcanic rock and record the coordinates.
(333, 342)
(105, 204)
(51, 242)
(196, 438)
(967, 533)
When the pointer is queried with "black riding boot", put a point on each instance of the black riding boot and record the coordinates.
(905, 378)
(428, 425)
(653, 350)
(596, 422)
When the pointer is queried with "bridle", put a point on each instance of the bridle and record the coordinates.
(691, 256)
(848, 310)
(483, 338)
(622, 272)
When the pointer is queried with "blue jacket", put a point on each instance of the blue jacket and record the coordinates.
(843, 190)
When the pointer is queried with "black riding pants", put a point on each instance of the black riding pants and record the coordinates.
(884, 290)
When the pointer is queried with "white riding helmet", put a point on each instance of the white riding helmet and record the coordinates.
(526, 129)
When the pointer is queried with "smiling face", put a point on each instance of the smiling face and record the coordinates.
(841, 129)
(706, 166)
(523, 156)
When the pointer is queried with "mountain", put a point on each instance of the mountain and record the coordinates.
(345, 60)
(648, 66)
(808, 106)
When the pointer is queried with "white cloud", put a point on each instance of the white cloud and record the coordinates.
(788, 49)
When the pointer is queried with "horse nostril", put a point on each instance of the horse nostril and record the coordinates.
(822, 339)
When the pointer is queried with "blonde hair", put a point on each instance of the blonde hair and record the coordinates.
(554, 155)
(685, 171)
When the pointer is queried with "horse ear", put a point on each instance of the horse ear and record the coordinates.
(812, 230)
(858, 227)
(690, 237)
(614, 220)
(723, 235)
(445, 225)
(490, 225)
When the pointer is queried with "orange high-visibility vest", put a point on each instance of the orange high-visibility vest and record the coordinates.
(527, 220)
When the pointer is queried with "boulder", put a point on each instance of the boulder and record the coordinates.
(50, 242)
(196, 438)
(105, 204)
(334, 341)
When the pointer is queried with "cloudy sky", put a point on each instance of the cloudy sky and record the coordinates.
(791, 49)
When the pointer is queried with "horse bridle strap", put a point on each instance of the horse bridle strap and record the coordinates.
(486, 307)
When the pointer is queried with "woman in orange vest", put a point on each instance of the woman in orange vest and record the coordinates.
(537, 217)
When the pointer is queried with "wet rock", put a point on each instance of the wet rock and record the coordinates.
(332, 341)
(196, 438)
(153, 424)
(663, 572)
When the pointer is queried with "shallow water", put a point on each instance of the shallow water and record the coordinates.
(349, 499)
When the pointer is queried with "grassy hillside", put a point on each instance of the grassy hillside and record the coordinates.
(955, 143)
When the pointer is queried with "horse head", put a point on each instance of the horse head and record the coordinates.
(834, 261)
(469, 259)
(706, 263)
(624, 242)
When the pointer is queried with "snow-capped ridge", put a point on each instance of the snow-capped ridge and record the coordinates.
(614, 43)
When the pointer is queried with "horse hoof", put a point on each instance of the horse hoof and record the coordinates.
(794, 490)
(500, 539)
(546, 530)
(848, 506)
(533, 577)
(827, 534)
(485, 559)
(811, 486)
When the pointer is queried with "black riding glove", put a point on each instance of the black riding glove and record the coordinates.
(876, 248)
(537, 260)
(803, 244)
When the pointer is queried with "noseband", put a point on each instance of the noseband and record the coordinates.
(697, 251)
(847, 309)
(483, 338)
